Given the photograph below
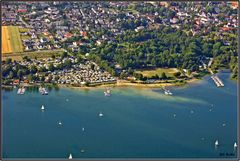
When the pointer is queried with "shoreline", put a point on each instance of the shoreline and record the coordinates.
(119, 83)
(133, 85)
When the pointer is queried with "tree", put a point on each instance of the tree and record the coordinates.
(64, 55)
(79, 59)
(51, 67)
(42, 69)
(138, 76)
(26, 58)
(163, 75)
(33, 69)
(11, 74)
(8, 60)
(53, 56)
(19, 73)
(67, 64)
(177, 74)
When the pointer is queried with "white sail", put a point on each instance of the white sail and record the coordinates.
(70, 156)
(235, 145)
(42, 107)
(216, 143)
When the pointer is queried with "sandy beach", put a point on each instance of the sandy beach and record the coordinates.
(124, 83)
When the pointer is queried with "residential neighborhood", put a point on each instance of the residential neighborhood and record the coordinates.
(51, 24)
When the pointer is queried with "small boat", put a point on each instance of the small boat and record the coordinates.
(82, 150)
(235, 145)
(100, 114)
(70, 156)
(216, 143)
(167, 92)
(21, 90)
(42, 108)
(174, 115)
(107, 93)
(83, 129)
(59, 123)
(43, 91)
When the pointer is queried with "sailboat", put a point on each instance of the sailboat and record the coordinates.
(216, 143)
(100, 114)
(83, 129)
(42, 108)
(70, 156)
(59, 123)
(235, 145)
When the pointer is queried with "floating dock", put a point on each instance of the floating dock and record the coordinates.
(217, 81)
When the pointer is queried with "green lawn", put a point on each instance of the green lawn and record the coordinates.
(23, 29)
(34, 54)
(15, 40)
(25, 37)
(149, 73)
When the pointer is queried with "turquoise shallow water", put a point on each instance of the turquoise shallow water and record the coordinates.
(137, 123)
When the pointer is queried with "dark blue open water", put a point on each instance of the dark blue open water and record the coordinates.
(137, 123)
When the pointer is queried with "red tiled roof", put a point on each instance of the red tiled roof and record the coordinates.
(226, 28)
(16, 81)
(68, 35)
(21, 10)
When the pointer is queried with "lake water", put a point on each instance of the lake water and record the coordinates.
(137, 123)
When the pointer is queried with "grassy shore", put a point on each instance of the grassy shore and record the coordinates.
(119, 83)
(124, 83)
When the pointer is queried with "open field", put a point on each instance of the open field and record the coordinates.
(33, 55)
(6, 46)
(149, 73)
(16, 42)
(11, 41)
(23, 29)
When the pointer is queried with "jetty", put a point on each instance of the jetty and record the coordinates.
(214, 77)
(217, 81)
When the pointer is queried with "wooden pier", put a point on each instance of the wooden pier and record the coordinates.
(217, 81)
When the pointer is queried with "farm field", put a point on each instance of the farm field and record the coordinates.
(11, 41)
(6, 46)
